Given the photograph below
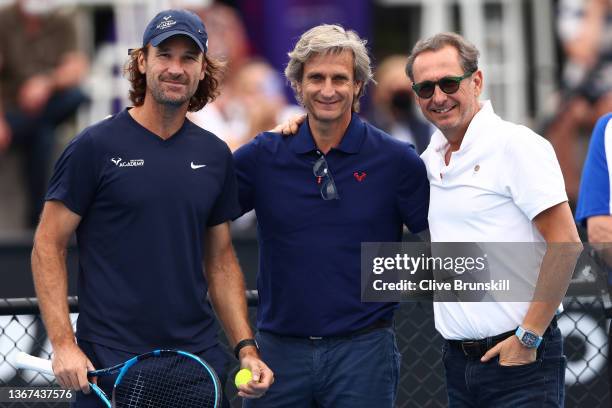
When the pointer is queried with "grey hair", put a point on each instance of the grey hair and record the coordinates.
(468, 53)
(329, 39)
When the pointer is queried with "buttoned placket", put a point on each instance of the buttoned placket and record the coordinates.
(442, 162)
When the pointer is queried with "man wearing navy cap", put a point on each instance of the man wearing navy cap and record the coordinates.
(149, 195)
(339, 182)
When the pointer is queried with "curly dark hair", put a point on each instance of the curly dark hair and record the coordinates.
(207, 91)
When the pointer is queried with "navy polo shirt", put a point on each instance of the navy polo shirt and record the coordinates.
(310, 248)
(145, 204)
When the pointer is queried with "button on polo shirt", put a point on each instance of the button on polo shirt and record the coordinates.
(310, 248)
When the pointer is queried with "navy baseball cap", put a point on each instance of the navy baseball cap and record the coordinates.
(175, 22)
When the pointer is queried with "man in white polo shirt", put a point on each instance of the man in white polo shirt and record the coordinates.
(491, 181)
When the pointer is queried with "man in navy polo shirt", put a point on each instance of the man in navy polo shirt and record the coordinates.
(318, 195)
(149, 195)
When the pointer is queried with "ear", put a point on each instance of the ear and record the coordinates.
(298, 87)
(142, 64)
(358, 86)
(204, 65)
(478, 82)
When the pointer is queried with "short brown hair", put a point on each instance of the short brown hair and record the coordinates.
(468, 53)
(207, 91)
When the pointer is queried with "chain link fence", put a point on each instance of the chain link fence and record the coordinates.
(583, 324)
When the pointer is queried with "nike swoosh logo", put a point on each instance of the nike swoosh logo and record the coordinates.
(197, 166)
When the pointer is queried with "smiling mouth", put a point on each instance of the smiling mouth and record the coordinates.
(170, 81)
(327, 103)
(443, 110)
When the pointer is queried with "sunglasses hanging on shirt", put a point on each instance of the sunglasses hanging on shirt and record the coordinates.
(320, 169)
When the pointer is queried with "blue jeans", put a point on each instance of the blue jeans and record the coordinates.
(471, 383)
(358, 371)
(102, 357)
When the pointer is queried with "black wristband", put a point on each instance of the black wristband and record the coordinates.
(244, 343)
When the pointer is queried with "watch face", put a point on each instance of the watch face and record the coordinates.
(529, 339)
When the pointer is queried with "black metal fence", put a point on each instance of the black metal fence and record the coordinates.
(583, 324)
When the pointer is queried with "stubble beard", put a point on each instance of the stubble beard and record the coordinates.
(162, 98)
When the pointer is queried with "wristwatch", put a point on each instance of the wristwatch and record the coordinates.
(528, 338)
(244, 343)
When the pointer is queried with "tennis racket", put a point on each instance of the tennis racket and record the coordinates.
(158, 379)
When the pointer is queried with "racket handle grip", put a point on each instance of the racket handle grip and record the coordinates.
(28, 362)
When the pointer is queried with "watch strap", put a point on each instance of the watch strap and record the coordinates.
(244, 343)
(534, 340)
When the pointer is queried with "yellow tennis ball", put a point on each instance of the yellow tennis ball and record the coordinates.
(243, 376)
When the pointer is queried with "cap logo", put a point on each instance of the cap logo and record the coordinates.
(175, 22)
(166, 23)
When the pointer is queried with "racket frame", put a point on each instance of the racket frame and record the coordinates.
(26, 361)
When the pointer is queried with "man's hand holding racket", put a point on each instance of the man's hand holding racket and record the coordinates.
(159, 378)
(70, 366)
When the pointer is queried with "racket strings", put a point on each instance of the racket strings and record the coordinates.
(166, 381)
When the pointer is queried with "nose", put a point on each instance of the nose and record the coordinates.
(328, 89)
(438, 96)
(175, 66)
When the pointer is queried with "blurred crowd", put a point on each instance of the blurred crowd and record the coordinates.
(252, 98)
(42, 71)
(585, 32)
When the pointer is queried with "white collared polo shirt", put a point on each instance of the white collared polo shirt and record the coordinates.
(499, 180)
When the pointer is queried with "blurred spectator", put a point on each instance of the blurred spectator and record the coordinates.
(585, 29)
(255, 102)
(40, 69)
(227, 42)
(393, 109)
(227, 35)
(594, 209)
(252, 98)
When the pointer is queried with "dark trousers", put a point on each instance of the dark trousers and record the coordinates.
(540, 384)
(360, 371)
(35, 136)
(102, 357)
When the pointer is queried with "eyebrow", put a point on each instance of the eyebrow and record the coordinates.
(193, 53)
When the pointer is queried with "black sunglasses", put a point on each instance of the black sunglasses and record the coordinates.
(448, 85)
(324, 178)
